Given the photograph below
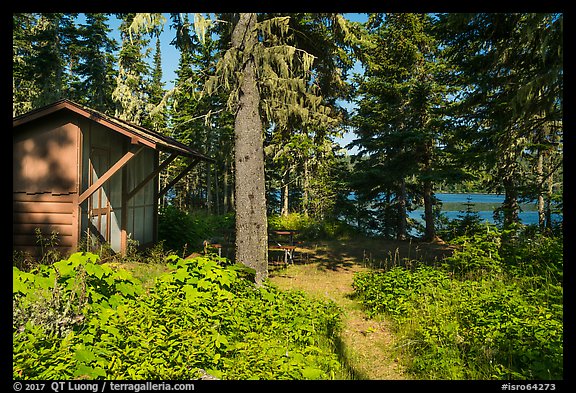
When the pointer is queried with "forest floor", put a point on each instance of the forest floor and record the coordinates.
(325, 269)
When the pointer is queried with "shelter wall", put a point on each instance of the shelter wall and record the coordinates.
(49, 214)
(45, 156)
(102, 150)
(141, 225)
(45, 184)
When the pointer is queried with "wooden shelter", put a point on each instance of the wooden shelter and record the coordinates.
(80, 174)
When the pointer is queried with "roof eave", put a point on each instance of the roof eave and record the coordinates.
(153, 140)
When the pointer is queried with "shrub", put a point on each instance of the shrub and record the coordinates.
(536, 254)
(58, 297)
(201, 315)
(477, 254)
(482, 317)
(310, 228)
(184, 232)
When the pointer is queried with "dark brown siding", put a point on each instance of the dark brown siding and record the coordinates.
(47, 212)
(45, 156)
(45, 184)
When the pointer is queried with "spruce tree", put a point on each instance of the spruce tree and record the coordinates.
(131, 93)
(95, 69)
(24, 88)
(510, 67)
(259, 74)
(398, 118)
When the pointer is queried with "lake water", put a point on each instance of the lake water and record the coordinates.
(484, 205)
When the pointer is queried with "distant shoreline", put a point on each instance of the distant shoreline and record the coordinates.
(456, 204)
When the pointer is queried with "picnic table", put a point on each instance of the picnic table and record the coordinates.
(210, 245)
(286, 232)
(287, 248)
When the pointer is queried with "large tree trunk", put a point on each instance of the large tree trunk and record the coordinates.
(430, 229)
(251, 221)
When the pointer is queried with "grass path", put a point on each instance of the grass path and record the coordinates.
(326, 270)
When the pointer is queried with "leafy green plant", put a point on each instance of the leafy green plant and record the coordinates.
(536, 254)
(310, 228)
(57, 296)
(477, 254)
(479, 317)
(48, 246)
(184, 232)
(200, 315)
(393, 291)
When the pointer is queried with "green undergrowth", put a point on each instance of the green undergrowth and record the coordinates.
(310, 228)
(494, 310)
(79, 319)
(184, 232)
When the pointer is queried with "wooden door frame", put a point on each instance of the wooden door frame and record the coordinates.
(102, 235)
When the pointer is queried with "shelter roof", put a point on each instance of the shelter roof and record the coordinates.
(137, 133)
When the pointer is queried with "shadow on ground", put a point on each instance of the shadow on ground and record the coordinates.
(371, 253)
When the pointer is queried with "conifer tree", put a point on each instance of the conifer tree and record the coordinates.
(132, 91)
(157, 119)
(24, 89)
(48, 60)
(47, 52)
(263, 76)
(292, 151)
(40, 74)
(510, 66)
(267, 75)
(397, 120)
(203, 122)
(95, 69)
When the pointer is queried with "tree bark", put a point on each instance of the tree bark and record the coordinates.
(540, 178)
(305, 188)
(251, 221)
(285, 194)
(430, 230)
(402, 224)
